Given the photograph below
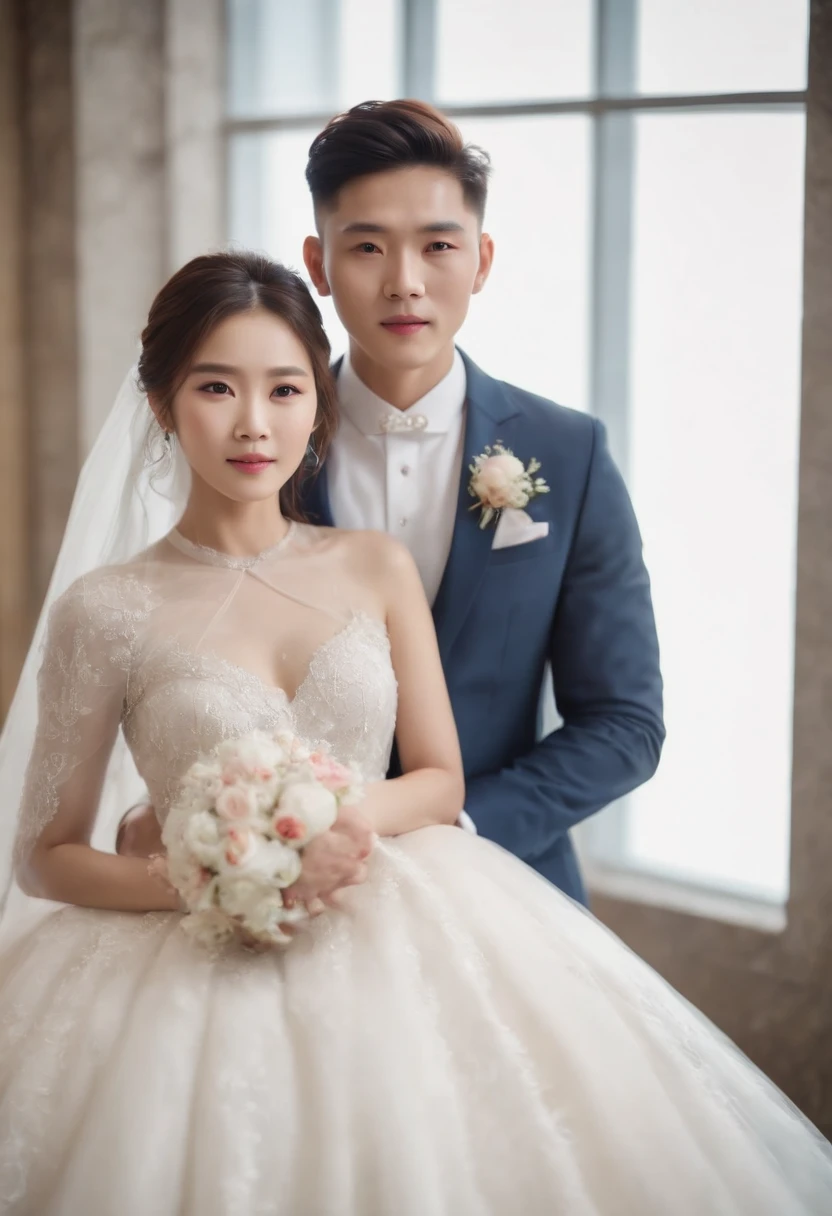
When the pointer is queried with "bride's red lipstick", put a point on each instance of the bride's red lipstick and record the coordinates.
(252, 462)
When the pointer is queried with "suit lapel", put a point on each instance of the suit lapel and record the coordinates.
(490, 417)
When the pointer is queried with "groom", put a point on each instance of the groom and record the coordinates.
(399, 207)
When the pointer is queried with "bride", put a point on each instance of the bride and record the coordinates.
(455, 1037)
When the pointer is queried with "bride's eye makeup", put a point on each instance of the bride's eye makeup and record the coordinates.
(216, 388)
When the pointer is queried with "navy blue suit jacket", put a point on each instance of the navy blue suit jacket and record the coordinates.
(578, 599)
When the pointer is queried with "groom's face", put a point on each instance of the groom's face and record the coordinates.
(401, 254)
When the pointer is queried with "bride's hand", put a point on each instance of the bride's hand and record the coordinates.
(158, 869)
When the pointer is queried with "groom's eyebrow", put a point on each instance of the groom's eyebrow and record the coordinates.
(437, 226)
(225, 369)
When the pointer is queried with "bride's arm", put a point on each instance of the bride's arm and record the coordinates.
(73, 872)
(432, 788)
(81, 689)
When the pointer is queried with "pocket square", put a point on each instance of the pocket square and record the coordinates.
(517, 528)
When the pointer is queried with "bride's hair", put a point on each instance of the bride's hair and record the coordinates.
(206, 291)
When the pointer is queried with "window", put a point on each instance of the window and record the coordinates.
(721, 46)
(472, 36)
(647, 209)
(714, 422)
(552, 157)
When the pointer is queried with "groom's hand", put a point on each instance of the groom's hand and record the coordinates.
(335, 859)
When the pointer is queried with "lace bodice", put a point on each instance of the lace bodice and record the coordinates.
(185, 647)
(182, 704)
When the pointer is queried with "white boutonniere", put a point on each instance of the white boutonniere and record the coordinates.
(499, 480)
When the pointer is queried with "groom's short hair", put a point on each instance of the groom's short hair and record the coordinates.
(379, 136)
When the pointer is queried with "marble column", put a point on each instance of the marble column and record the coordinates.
(49, 276)
(13, 482)
(194, 115)
(120, 167)
(150, 105)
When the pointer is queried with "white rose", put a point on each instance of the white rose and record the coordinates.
(184, 872)
(265, 794)
(203, 778)
(265, 917)
(239, 894)
(255, 756)
(201, 894)
(275, 862)
(269, 862)
(236, 802)
(293, 748)
(211, 928)
(312, 804)
(194, 800)
(201, 836)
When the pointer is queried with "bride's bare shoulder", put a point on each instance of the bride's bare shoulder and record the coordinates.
(371, 553)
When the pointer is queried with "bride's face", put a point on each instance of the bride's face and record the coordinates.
(247, 407)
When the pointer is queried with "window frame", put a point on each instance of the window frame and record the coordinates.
(612, 107)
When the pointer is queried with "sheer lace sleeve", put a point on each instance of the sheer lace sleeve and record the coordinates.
(82, 688)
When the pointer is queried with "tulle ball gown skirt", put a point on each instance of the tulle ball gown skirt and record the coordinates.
(459, 1040)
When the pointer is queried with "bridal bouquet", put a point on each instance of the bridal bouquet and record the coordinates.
(235, 834)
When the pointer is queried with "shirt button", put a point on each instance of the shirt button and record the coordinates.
(405, 469)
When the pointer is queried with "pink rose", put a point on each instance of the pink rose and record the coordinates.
(288, 827)
(235, 802)
(495, 481)
(240, 846)
(332, 775)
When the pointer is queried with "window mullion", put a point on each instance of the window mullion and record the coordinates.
(611, 261)
(614, 155)
(419, 18)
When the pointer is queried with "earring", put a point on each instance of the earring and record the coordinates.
(162, 460)
(312, 457)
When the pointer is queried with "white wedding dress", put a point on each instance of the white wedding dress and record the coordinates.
(460, 1039)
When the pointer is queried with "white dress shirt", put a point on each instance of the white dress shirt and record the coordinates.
(398, 471)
